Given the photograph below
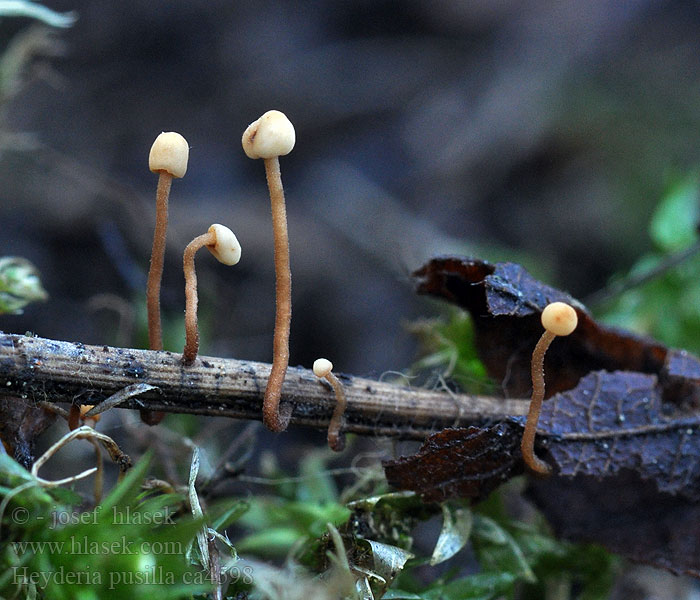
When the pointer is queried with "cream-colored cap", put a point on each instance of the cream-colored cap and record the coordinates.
(226, 250)
(322, 366)
(169, 153)
(559, 318)
(271, 135)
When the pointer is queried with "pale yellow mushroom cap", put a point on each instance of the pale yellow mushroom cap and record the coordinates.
(169, 153)
(271, 135)
(559, 318)
(226, 250)
(322, 366)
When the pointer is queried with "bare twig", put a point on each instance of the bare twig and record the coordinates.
(39, 369)
(634, 280)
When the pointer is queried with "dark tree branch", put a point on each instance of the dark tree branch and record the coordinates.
(40, 369)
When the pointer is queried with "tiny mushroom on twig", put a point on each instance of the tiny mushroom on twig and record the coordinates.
(323, 369)
(223, 244)
(168, 158)
(558, 318)
(270, 137)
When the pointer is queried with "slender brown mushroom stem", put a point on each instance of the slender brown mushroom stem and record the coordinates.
(223, 244)
(336, 440)
(189, 354)
(269, 137)
(537, 370)
(274, 418)
(558, 318)
(168, 157)
(323, 369)
(155, 273)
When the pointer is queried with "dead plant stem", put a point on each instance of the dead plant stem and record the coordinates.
(37, 369)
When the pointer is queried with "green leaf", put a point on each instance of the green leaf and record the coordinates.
(21, 490)
(160, 503)
(270, 542)
(589, 568)
(313, 517)
(12, 472)
(19, 284)
(482, 586)
(674, 230)
(448, 344)
(501, 551)
(490, 531)
(308, 520)
(399, 595)
(127, 489)
(456, 527)
(673, 226)
(396, 499)
(230, 512)
(107, 551)
(316, 484)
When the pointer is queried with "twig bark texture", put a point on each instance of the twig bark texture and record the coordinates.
(39, 369)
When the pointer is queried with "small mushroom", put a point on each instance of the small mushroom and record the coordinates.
(323, 370)
(223, 244)
(558, 318)
(270, 137)
(168, 158)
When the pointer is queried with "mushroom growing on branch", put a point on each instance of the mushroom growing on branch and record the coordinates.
(323, 370)
(270, 137)
(558, 318)
(168, 158)
(223, 244)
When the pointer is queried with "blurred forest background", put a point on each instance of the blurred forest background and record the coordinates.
(530, 131)
(539, 132)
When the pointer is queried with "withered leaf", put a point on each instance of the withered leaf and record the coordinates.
(505, 303)
(626, 468)
(466, 462)
(682, 364)
(628, 516)
(621, 428)
(615, 421)
(21, 422)
(680, 379)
